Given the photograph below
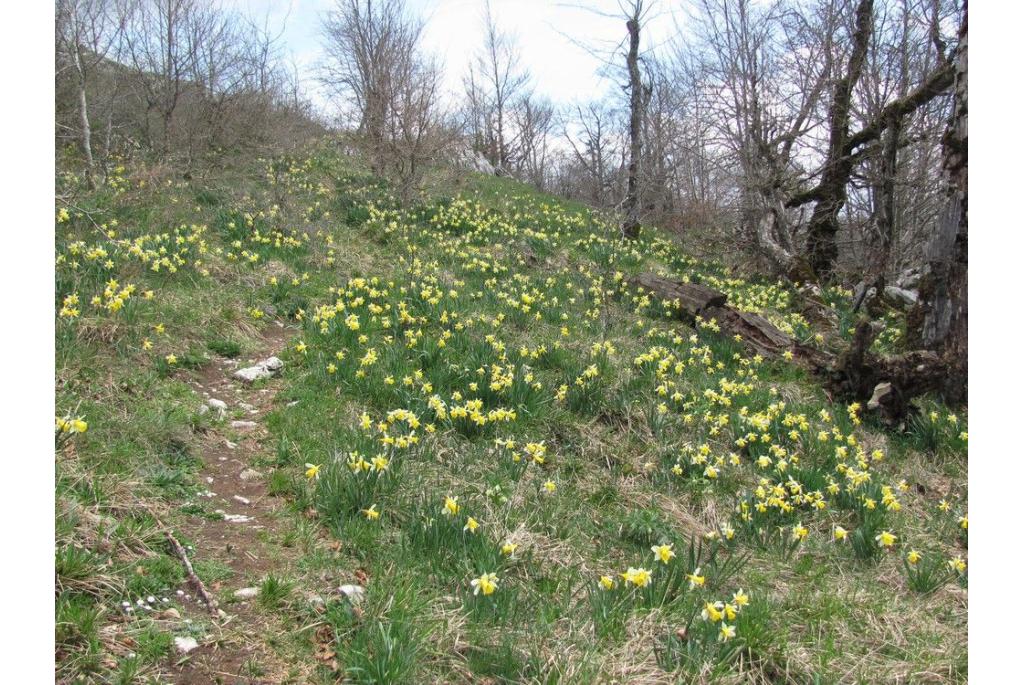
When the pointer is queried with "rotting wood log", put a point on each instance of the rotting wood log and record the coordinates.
(854, 374)
(694, 299)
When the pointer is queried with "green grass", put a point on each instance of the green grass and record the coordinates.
(469, 328)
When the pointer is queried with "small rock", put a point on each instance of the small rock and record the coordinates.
(246, 593)
(231, 445)
(184, 645)
(236, 518)
(249, 475)
(265, 369)
(246, 406)
(219, 405)
(293, 403)
(355, 593)
(239, 498)
(244, 425)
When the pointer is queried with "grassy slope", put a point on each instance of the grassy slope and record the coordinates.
(508, 297)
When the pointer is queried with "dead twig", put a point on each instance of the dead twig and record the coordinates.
(197, 583)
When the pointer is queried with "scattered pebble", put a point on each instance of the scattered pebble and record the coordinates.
(244, 425)
(355, 593)
(246, 593)
(250, 474)
(239, 498)
(184, 645)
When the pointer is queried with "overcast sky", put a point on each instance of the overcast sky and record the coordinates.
(545, 30)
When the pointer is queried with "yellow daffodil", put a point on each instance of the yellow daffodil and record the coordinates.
(663, 553)
(885, 539)
(486, 583)
(451, 506)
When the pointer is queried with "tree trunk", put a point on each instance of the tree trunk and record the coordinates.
(631, 223)
(885, 217)
(83, 113)
(822, 250)
(940, 321)
(83, 116)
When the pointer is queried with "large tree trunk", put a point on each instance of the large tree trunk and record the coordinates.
(940, 321)
(631, 223)
(824, 224)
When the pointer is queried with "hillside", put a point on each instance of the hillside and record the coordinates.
(485, 456)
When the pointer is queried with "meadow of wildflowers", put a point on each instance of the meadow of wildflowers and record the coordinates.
(535, 472)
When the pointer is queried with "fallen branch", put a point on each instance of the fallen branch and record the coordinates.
(196, 582)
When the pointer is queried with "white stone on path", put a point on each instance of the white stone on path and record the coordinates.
(184, 645)
(246, 593)
(250, 474)
(265, 369)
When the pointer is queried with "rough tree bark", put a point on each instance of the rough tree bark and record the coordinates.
(637, 96)
(824, 224)
(940, 321)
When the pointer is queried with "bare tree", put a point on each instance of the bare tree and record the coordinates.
(592, 137)
(374, 60)
(87, 30)
(534, 121)
(495, 84)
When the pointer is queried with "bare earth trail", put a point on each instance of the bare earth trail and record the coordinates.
(243, 534)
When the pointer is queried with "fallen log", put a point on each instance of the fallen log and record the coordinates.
(691, 299)
(887, 384)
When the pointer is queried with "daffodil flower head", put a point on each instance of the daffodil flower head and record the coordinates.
(451, 506)
(663, 553)
(486, 583)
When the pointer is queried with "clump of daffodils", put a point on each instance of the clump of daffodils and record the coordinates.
(67, 427)
(724, 614)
